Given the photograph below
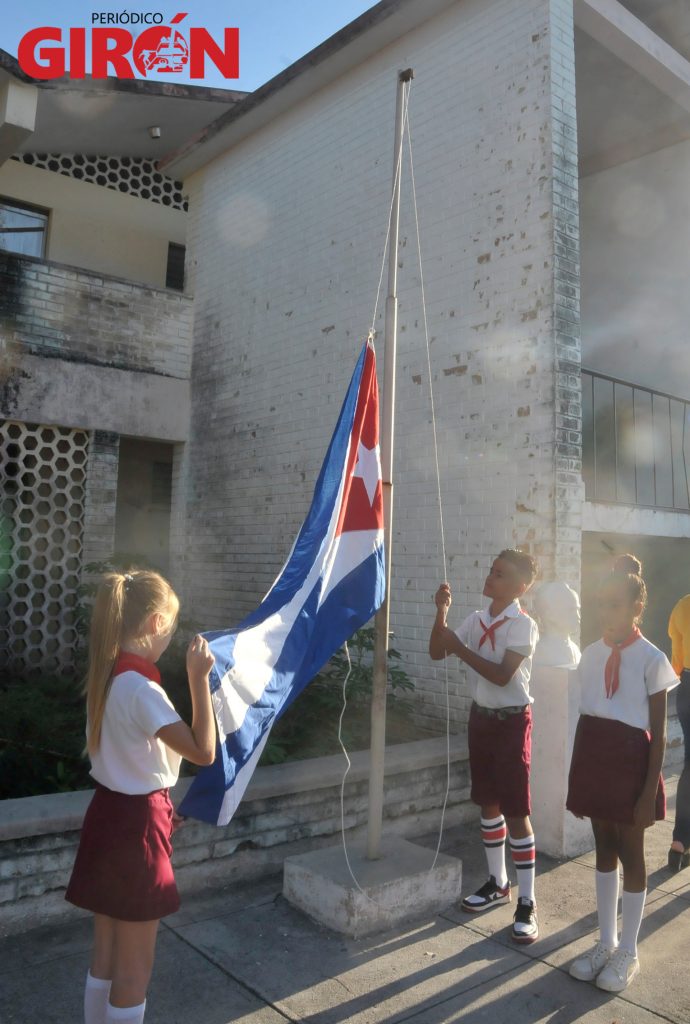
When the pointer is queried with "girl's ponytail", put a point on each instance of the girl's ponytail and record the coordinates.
(104, 643)
(123, 604)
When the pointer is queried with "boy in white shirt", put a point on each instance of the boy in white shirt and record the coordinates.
(497, 646)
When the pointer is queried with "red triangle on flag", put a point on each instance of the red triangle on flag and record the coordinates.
(362, 507)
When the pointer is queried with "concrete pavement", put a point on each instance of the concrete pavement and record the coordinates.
(243, 954)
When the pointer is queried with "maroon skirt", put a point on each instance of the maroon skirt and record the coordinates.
(608, 771)
(123, 866)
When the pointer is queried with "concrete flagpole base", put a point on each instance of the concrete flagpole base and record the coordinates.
(397, 887)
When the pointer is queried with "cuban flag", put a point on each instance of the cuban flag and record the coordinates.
(331, 584)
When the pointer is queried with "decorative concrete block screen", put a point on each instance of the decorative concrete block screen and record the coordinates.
(42, 489)
(133, 175)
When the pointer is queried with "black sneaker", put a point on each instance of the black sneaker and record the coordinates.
(487, 896)
(525, 926)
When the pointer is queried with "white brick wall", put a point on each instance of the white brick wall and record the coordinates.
(285, 242)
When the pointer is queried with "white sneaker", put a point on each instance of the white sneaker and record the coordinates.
(619, 971)
(587, 967)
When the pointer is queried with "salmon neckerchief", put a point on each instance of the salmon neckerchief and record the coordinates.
(613, 665)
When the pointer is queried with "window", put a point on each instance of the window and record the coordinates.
(22, 228)
(174, 276)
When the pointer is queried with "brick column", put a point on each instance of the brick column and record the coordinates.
(569, 488)
(178, 526)
(101, 496)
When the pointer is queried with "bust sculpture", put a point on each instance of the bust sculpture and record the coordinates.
(557, 610)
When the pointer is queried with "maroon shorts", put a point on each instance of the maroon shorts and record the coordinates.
(123, 864)
(608, 771)
(500, 755)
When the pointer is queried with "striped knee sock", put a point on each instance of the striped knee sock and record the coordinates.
(494, 839)
(523, 852)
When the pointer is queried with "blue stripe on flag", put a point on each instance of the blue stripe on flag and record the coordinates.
(314, 633)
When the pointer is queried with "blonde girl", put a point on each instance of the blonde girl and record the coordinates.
(615, 773)
(135, 741)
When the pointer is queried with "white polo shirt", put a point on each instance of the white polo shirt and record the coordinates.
(644, 670)
(518, 634)
(129, 758)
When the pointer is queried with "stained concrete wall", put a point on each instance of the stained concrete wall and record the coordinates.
(89, 351)
(284, 252)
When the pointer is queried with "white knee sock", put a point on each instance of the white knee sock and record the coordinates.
(125, 1014)
(96, 994)
(523, 854)
(631, 918)
(606, 884)
(494, 840)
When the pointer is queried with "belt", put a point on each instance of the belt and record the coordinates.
(499, 713)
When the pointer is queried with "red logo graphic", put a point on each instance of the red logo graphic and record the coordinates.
(160, 49)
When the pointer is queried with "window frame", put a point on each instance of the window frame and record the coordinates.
(32, 208)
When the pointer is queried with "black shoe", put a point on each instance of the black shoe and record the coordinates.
(525, 926)
(487, 896)
(678, 859)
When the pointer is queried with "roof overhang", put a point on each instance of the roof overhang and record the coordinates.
(111, 116)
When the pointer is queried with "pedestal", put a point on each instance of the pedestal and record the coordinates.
(555, 715)
(397, 887)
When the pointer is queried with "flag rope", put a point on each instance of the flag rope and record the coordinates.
(438, 475)
(345, 775)
(386, 244)
(372, 333)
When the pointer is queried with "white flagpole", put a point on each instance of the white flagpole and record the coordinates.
(382, 620)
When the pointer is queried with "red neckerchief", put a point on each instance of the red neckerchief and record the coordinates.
(612, 667)
(127, 662)
(489, 632)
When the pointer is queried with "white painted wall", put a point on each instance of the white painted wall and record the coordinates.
(635, 230)
(285, 242)
(98, 228)
(598, 517)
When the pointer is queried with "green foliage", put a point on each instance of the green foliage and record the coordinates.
(42, 735)
(310, 726)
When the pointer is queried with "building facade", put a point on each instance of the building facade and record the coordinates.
(95, 341)
(550, 142)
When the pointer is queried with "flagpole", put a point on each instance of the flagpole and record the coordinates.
(382, 619)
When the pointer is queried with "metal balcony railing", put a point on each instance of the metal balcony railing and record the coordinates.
(636, 444)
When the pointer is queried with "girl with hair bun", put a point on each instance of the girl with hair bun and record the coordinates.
(615, 772)
(135, 741)
(627, 564)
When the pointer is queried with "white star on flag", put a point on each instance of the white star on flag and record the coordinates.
(368, 467)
